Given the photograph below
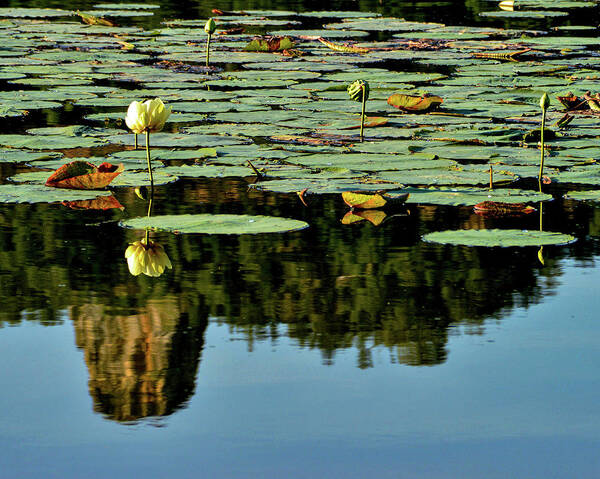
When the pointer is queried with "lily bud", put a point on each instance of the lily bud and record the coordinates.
(544, 101)
(355, 90)
(149, 259)
(210, 27)
(148, 116)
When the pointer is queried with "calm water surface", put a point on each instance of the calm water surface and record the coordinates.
(331, 352)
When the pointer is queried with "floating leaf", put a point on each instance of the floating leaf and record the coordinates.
(83, 175)
(216, 224)
(363, 201)
(270, 44)
(471, 196)
(496, 237)
(593, 195)
(39, 193)
(415, 104)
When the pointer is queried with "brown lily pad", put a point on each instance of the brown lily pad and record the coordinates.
(83, 175)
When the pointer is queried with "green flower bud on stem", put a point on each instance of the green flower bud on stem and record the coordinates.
(210, 26)
(359, 91)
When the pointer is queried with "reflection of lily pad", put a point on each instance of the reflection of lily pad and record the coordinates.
(498, 237)
(216, 224)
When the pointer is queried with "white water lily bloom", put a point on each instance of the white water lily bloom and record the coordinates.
(148, 116)
(149, 259)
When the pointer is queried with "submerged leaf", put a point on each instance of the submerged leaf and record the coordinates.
(83, 175)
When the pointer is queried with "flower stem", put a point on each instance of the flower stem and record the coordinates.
(207, 49)
(362, 115)
(136, 143)
(149, 163)
(542, 152)
(491, 177)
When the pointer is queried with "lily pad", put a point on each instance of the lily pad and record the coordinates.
(462, 196)
(39, 193)
(216, 224)
(497, 237)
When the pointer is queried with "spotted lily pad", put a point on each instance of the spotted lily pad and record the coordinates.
(216, 224)
(497, 237)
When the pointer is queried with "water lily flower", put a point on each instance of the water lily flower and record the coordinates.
(149, 116)
(147, 257)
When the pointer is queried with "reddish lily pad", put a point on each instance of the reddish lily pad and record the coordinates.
(83, 175)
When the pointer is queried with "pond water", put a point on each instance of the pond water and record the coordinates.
(340, 350)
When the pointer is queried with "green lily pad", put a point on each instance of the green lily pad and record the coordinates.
(125, 6)
(593, 195)
(461, 196)
(524, 14)
(39, 193)
(172, 140)
(496, 237)
(321, 186)
(127, 178)
(208, 171)
(371, 162)
(9, 155)
(216, 224)
(49, 142)
(320, 33)
(33, 13)
(383, 24)
(441, 177)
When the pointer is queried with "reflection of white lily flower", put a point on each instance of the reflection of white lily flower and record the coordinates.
(149, 259)
(148, 116)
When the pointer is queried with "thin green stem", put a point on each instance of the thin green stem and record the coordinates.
(542, 148)
(491, 177)
(149, 163)
(362, 115)
(136, 143)
(151, 200)
(207, 49)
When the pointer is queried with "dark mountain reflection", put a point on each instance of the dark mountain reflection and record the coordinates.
(330, 287)
(143, 364)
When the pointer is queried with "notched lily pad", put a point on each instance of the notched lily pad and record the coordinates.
(216, 224)
(497, 237)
